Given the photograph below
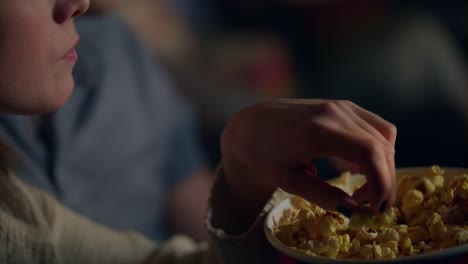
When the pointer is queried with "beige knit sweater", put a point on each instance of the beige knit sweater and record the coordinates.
(36, 228)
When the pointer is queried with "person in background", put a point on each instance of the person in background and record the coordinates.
(124, 151)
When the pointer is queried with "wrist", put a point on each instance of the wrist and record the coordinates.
(231, 212)
(246, 189)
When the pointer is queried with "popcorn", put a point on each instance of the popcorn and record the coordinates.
(436, 227)
(411, 202)
(367, 252)
(377, 251)
(363, 234)
(429, 187)
(388, 253)
(418, 233)
(430, 214)
(406, 246)
(389, 234)
(461, 187)
(392, 246)
(447, 196)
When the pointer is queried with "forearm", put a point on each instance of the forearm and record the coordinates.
(245, 199)
(247, 192)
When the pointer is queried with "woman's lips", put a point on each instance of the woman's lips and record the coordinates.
(72, 55)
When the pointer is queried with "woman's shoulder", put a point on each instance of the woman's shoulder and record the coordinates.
(21, 236)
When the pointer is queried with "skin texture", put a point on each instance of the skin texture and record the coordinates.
(34, 38)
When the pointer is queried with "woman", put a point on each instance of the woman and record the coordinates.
(265, 146)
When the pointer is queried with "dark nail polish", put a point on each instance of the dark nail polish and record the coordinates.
(344, 211)
(383, 206)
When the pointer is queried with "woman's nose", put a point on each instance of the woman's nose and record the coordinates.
(67, 9)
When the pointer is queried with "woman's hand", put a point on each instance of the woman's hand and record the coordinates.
(274, 144)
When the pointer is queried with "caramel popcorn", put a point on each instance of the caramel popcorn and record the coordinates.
(430, 214)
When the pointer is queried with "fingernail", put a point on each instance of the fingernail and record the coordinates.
(365, 202)
(344, 211)
(383, 206)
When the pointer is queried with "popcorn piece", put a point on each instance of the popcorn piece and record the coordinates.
(333, 247)
(421, 245)
(461, 189)
(406, 246)
(356, 245)
(345, 243)
(446, 196)
(418, 233)
(461, 235)
(385, 220)
(436, 170)
(411, 202)
(438, 181)
(406, 184)
(367, 252)
(387, 253)
(377, 250)
(389, 234)
(358, 221)
(365, 234)
(429, 187)
(436, 227)
(392, 245)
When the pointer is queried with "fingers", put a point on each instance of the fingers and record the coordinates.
(386, 129)
(361, 195)
(296, 131)
(320, 192)
(370, 124)
(374, 164)
(383, 131)
(374, 157)
(391, 166)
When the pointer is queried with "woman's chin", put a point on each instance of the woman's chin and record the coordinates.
(37, 106)
(54, 104)
(59, 97)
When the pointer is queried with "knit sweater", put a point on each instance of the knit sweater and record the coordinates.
(36, 228)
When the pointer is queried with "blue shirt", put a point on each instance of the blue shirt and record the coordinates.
(120, 142)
